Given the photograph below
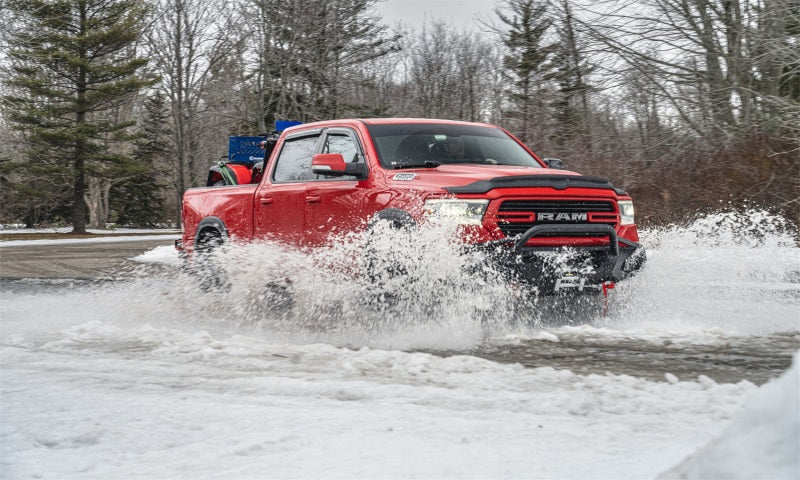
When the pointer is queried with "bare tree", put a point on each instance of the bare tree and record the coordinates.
(187, 41)
(305, 49)
(449, 74)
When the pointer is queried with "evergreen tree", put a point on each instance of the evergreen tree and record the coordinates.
(140, 201)
(527, 60)
(71, 61)
(569, 71)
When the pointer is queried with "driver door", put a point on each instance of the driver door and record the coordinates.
(280, 202)
(334, 205)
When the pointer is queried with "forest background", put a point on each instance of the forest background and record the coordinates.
(111, 109)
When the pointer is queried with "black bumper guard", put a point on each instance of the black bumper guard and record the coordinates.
(571, 231)
(615, 262)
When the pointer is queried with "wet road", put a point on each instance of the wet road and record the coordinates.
(753, 358)
(81, 261)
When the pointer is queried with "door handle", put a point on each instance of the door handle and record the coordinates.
(265, 200)
(313, 199)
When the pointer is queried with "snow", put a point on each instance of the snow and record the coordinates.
(114, 235)
(74, 241)
(763, 441)
(147, 378)
(11, 229)
(165, 255)
(100, 401)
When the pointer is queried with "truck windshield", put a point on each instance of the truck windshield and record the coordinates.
(425, 145)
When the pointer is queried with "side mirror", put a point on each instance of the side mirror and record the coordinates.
(553, 163)
(333, 165)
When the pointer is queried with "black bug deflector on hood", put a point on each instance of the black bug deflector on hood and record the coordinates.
(558, 182)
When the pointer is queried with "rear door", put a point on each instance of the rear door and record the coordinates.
(280, 201)
(334, 204)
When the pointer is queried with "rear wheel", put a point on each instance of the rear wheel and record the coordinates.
(207, 262)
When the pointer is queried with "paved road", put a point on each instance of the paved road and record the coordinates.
(83, 261)
(754, 358)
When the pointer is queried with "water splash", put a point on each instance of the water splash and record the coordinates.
(734, 273)
(388, 288)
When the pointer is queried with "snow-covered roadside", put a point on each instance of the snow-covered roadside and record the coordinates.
(73, 241)
(101, 401)
(12, 229)
(110, 235)
(166, 255)
(762, 442)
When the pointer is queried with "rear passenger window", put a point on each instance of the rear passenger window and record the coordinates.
(294, 161)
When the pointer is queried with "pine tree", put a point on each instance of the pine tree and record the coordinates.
(527, 60)
(140, 201)
(569, 71)
(71, 62)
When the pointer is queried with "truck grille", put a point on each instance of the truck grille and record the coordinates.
(514, 217)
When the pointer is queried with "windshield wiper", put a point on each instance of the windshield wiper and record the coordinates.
(425, 164)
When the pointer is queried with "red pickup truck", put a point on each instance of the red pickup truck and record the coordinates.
(346, 175)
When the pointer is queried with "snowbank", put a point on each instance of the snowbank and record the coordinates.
(73, 241)
(166, 255)
(108, 231)
(100, 400)
(763, 442)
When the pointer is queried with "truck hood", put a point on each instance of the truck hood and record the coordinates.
(479, 179)
(459, 175)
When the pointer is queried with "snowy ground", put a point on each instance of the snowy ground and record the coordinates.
(147, 379)
(115, 235)
(11, 229)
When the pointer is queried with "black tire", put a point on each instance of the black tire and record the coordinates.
(207, 268)
(380, 267)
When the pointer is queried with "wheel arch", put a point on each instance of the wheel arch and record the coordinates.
(210, 227)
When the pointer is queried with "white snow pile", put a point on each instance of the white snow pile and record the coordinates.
(112, 235)
(762, 442)
(76, 241)
(105, 400)
(17, 228)
(166, 255)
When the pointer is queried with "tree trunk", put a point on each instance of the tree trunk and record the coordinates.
(78, 205)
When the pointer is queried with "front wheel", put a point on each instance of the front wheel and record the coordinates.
(387, 262)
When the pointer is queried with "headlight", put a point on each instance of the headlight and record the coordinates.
(462, 212)
(625, 212)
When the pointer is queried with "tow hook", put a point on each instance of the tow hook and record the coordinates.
(609, 285)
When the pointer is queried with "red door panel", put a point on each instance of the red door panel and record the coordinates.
(332, 208)
(279, 203)
(279, 212)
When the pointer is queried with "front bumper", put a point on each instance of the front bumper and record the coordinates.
(547, 268)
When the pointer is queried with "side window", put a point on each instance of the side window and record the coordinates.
(346, 145)
(294, 161)
(337, 143)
